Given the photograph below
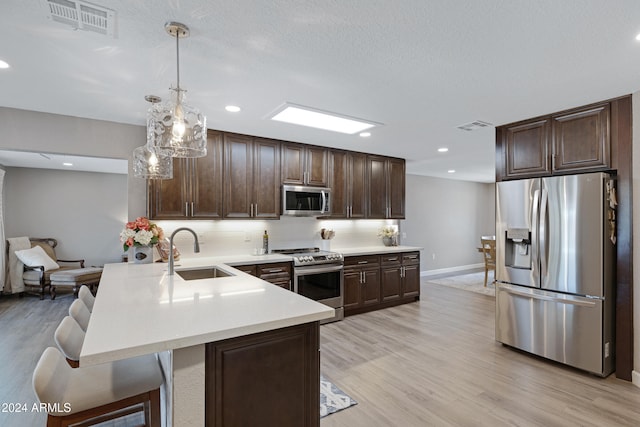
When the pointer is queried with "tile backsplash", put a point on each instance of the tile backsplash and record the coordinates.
(230, 237)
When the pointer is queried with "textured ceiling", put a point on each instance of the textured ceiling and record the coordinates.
(420, 67)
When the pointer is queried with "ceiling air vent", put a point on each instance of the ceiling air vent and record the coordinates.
(82, 15)
(474, 125)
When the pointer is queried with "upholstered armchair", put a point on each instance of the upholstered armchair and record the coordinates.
(39, 276)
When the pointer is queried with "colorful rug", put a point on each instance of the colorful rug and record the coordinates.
(332, 399)
(473, 282)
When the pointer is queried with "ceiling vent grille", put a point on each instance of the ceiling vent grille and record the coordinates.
(474, 125)
(82, 15)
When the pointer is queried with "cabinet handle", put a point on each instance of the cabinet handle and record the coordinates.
(192, 209)
(361, 280)
(402, 271)
(363, 262)
(364, 277)
(255, 213)
(273, 270)
(251, 210)
(186, 208)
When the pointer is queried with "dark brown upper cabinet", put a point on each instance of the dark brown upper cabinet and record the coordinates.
(347, 180)
(304, 165)
(581, 139)
(251, 177)
(385, 185)
(195, 192)
(576, 140)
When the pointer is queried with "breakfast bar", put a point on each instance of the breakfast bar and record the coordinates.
(218, 339)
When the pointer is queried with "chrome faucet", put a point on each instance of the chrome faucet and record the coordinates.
(196, 246)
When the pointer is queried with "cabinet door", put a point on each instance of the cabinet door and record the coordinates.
(317, 166)
(352, 288)
(411, 280)
(293, 166)
(396, 188)
(582, 139)
(169, 198)
(391, 282)
(357, 178)
(376, 187)
(238, 174)
(206, 180)
(527, 149)
(266, 179)
(339, 183)
(371, 287)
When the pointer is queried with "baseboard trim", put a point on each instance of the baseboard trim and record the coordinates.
(429, 273)
(635, 378)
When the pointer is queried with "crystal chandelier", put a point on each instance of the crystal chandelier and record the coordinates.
(174, 127)
(150, 162)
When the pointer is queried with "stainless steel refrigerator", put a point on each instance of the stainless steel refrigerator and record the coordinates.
(555, 268)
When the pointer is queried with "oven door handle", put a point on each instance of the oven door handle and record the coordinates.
(297, 272)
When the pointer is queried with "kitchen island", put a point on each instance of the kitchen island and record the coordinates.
(219, 340)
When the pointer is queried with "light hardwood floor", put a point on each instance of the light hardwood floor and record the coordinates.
(430, 363)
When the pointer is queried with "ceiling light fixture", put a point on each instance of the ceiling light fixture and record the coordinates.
(451, 171)
(443, 150)
(232, 108)
(67, 164)
(3, 64)
(365, 134)
(311, 117)
(638, 37)
(149, 161)
(173, 126)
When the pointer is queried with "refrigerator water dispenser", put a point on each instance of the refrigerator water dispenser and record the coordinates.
(518, 248)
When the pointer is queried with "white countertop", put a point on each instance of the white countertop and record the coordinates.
(140, 309)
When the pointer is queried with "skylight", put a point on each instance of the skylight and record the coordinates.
(306, 116)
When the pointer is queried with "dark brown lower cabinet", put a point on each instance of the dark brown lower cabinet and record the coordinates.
(278, 273)
(266, 379)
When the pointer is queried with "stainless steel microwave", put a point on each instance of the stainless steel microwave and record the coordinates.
(305, 201)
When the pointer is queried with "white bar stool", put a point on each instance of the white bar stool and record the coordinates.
(69, 337)
(79, 311)
(87, 297)
(98, 393)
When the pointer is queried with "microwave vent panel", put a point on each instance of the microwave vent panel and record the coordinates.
(478, 124)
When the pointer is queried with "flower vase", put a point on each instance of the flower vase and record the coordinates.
(388, 241)
(142, 254)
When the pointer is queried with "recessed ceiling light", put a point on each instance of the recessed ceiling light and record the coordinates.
(232, 108)
(451, 171)
(307, 116)
(365, 134)
(638, 37)
(4, 64)
(67, 164)
(443, 150)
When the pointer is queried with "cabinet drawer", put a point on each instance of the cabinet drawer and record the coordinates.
(249, 269)
(387, 259)
(411, 258)
(362, 261)
(274, 268)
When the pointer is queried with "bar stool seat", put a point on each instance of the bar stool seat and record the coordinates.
(80, 313)
(87, 297)
(69, 338)
(97, 392)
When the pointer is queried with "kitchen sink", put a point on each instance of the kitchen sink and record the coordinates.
(202, 273)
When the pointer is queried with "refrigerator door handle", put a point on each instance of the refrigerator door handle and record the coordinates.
(581, 302)
(542, 237)
(535, 243)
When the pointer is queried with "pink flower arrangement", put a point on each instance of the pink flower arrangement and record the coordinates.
(140, 232)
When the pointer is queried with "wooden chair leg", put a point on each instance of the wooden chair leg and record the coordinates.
(53, 292)
(486, 275)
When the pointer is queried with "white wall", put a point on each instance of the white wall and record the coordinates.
(84, 211)
(447, 218)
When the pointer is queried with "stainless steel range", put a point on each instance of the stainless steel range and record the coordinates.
(319, 275)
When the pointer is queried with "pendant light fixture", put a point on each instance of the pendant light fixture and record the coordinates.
(174, 127)
(150, 162)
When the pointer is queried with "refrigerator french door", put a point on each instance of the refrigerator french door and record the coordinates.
(555, 268)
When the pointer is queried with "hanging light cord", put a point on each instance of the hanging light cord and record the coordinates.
(178, 60)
